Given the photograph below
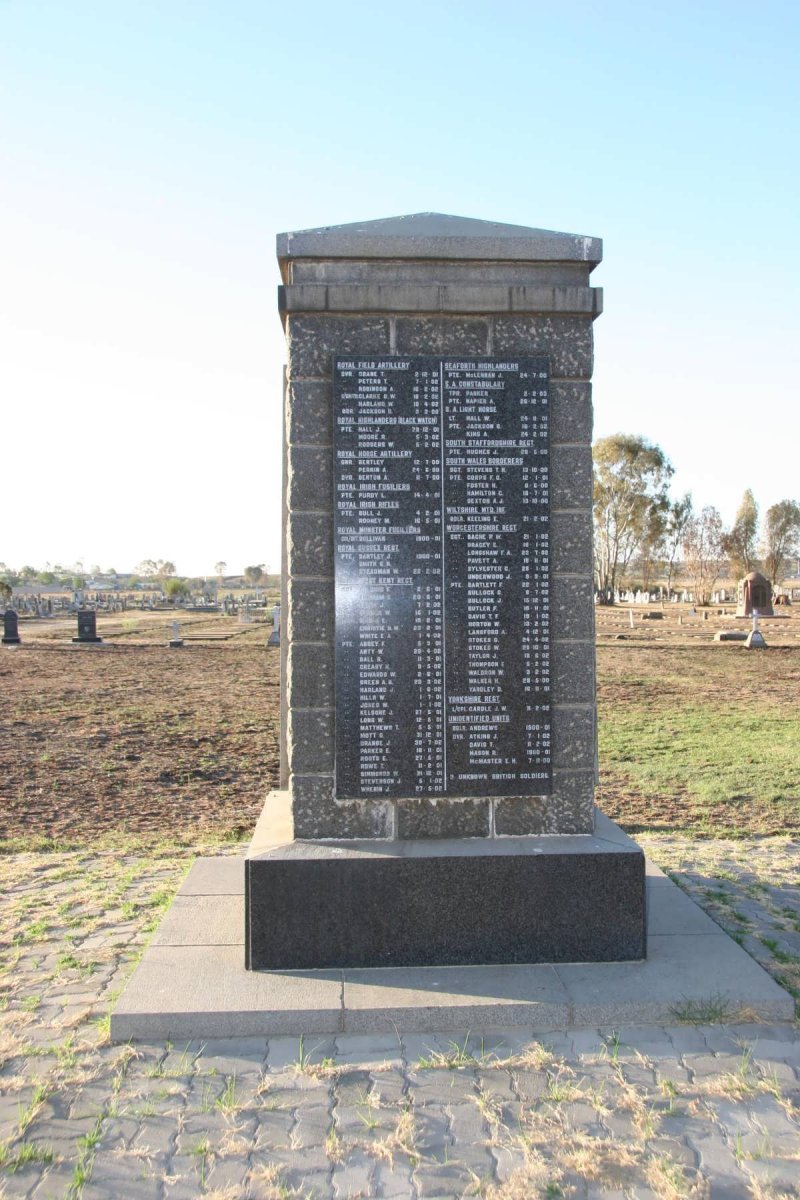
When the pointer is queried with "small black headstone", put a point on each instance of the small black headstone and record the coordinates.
(87, 627)
(10, 631)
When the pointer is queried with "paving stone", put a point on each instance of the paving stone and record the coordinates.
(290, 1090)
(273, 1129)
(638, 1075)
(495, 1082)
(440, 1087)
(780, 1072)
(61, 1134)
(312, 1127)
(55, 1184)
(228, 1172)
(389, 1086)
(722, 1039)
(353, 1177)
(157, 1135)
(392, 1181)
(283, 1052)
(368, 1049)
(652, 1041)
(772, 1117)
(675, 1150)
(118, 1133)
(703, 1065)
(673, 1072)
(352, 1087)
(310, 1170)
(443, 1179)
(686, 1039)
(775, 1173)
(24, 1181)
(719, 1165)
(467, 1125)
(588, 1041)
(508, 1160)
(530, 1085)
(432, 1133)
(417, 1046)
(363, 1120)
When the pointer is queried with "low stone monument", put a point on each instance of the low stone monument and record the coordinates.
(274, 638)
(755, 639)
(754, 595)
(438, 680)
(87, 627)
(10, 628)
(176, 641)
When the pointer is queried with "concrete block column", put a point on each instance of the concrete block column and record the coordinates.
(435, 285)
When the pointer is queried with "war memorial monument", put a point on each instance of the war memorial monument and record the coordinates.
(438, 681)
(433, 858)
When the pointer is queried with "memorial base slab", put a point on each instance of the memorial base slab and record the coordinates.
(191, 981)
(312, 905)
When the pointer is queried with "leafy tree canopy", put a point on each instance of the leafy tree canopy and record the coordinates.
(631, 476)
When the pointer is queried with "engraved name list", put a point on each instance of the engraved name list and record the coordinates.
(442, 577)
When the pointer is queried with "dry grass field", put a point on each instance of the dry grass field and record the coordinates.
(132, 738)
(695, 735)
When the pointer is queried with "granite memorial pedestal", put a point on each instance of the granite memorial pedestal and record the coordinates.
(10, 628)
(87, 627)
(438, 690)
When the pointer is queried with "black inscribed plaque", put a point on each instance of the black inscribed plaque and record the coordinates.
(442, 577)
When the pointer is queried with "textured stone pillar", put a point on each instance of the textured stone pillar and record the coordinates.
(437, 878)
(433, 284)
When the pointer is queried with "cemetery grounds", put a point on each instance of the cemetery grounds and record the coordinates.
(119, 764)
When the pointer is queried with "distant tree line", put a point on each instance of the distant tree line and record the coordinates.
(640, 529)
(158, 574)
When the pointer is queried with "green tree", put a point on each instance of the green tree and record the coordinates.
(781, 537)
(630, 501)
(254, 575)
(678, 517)
(703, 552)
(5, 592)
(176, 589)
(740, 542)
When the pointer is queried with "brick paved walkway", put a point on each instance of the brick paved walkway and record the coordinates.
(689, 1110)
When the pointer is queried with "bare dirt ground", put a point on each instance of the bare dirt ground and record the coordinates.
(130, 737)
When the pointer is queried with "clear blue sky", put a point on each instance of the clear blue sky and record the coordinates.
(151, 149)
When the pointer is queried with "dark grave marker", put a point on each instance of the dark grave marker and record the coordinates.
(87, 627)
(10, 628)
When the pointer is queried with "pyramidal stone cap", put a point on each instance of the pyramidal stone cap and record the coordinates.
(437, 235)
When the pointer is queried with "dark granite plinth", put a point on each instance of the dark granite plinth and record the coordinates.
(87, 627)
(444, 902)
